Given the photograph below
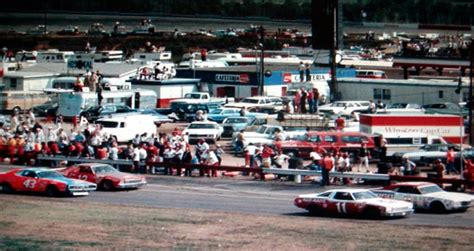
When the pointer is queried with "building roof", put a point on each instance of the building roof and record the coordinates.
(253, 68)
(21, 74)
(106, 69)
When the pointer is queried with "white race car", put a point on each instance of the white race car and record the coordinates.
(425, 195)
(353, 202)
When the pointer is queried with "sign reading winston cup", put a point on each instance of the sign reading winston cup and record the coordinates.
(233, 78)
(450, 127)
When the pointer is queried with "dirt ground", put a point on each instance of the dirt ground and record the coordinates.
(33, 222)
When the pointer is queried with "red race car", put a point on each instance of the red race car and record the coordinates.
(42, 180)
(353, 202)
(105, 176)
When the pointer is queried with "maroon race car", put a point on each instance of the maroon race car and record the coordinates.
(105, 176)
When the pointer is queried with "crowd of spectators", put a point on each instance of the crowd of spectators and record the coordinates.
(453, 46)
(26, 137)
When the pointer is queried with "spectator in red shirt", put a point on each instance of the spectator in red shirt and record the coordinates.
(340, 123)
(450, 158)
(328, 162)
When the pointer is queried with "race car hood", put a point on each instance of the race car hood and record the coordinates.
(70, 182)
(121, 176)
(451, 196)
(388, 202)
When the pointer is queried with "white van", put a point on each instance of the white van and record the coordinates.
(127, 126)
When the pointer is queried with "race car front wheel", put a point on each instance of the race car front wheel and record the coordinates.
(372, 213)
(52, 191)
(107, 185)
(437, 207)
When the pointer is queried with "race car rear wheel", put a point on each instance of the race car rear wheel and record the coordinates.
(107, 185)
(6, 188)
(437, 207)
(52, 191)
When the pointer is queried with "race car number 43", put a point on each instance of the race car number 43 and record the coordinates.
(29, 184)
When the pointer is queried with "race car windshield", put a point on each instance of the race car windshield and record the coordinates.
(104, 169)
(49, 174)
(364, 195)
(430, 189)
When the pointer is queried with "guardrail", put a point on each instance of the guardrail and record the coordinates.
(177, 166)
(297, 173)
(123, 162)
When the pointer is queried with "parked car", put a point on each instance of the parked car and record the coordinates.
(446, 108)
(105, 176)
(252, 104)
(277, 105)
(41, 180)
(428, 196)
(220, 114)
(402, 108)
(345, 107)
(49, 108)
(232, 125)
(425, 153)
(207, 130)
(95, 112)
(353, 202)
(157, 117)
(316, 141)
(187, 112)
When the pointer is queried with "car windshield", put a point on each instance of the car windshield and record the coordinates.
(251, 101)
(364, 195)
(49, 174)
(236, 120)
(430, 189)
(201, 126)
(261, 129)
(104, 169)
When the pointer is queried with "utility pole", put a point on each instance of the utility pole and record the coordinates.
(471, 58)
(262, 63)
(335, 95)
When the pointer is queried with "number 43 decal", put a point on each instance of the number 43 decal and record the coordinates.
(29, 184)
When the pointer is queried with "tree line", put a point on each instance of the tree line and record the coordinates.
(409, 11)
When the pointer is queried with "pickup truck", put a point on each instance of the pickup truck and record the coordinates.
(201, 97)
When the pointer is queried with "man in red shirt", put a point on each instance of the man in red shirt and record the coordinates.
(450, 158)
(340, 123)
(328, 162)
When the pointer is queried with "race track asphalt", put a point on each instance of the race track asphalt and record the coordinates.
(245, 196)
